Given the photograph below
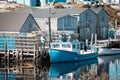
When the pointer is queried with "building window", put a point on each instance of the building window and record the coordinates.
(46, 22)
(102, 19)
(87, 19)
(65, 23)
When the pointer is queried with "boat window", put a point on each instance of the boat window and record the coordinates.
(73, 45)
(66, 45)
(63, 45)
(55, 45)
(78, 46)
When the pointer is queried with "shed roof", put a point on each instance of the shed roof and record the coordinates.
(55, 13)
(26, 9)
(45, 12)
(97, 10)
(10, 21)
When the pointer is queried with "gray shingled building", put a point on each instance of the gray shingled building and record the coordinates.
(84, 21)
(18, 22)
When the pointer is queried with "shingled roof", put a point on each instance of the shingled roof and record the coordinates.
(97, 10)
(45, 12)
(12, 21)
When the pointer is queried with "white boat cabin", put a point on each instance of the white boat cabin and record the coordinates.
(67, 46)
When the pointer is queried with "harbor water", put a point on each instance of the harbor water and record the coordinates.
(101, 68)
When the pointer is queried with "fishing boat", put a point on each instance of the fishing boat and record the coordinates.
(68, 50)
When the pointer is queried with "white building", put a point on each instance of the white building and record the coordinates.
(25, 2)
(112, 1)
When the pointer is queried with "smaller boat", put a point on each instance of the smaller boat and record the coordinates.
(113, 48)
(70, 50)
(108, 51)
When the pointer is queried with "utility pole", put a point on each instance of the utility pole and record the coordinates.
(49, 20)
(49, 30)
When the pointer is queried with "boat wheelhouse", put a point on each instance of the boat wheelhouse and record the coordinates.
(67, 46)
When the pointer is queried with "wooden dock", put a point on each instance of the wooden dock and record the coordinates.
(20, 56)
(21, 48)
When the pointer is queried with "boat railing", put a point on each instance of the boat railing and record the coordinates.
(89, 49)
(93, 48)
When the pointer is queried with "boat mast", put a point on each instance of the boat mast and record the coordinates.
(95, 39)
(91, 40)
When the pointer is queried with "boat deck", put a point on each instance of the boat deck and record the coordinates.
(86, 52)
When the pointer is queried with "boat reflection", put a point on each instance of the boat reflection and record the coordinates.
(102, 68)
(57, 69)
(107, 59)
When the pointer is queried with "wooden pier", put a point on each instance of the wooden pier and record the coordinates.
(20, 56)
(21, 48)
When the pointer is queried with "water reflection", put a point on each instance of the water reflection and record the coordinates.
(110, 65)
(57, 69)
(70, 70)
(102, 68)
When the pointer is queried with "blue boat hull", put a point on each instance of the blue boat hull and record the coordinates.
(67, 56)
